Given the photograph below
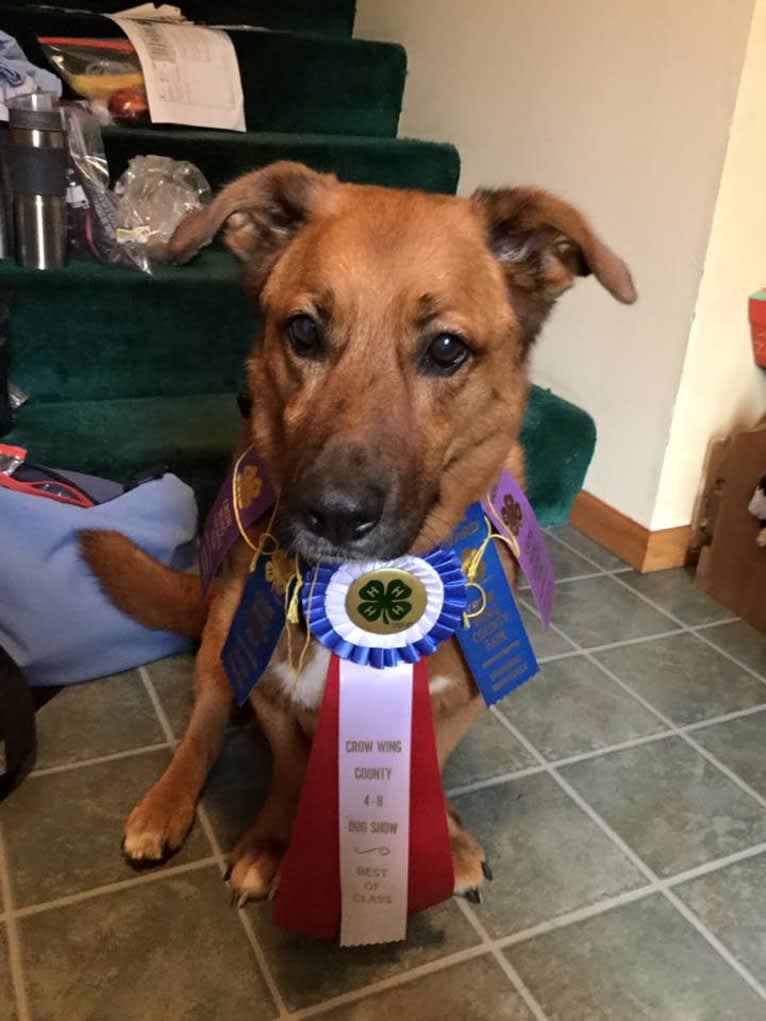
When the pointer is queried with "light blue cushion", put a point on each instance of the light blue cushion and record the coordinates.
(54, 620)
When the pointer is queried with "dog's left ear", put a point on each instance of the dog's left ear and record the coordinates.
(542, 244)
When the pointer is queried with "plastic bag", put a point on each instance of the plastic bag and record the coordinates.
(92, 208)
(106, 71)
(153, 195)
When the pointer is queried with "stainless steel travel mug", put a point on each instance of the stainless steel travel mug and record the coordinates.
(6, 196)
(38, 159)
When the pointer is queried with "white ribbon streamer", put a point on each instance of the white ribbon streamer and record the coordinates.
(375, 727)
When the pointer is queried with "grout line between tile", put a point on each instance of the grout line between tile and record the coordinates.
(244, 918)
(573, 577)
(673, 728)
(698, 631)
(97, 760)
(15, 958)
(578, 915)
(681, 733)
(505, 965)
(713, 866)
(713, 623)
(493, 781)
(715, 943)
(151, 876)
(721, 767)
(590, 560)
(218, 856)
(159, 712)
(610, 903)
(542, 660)
(634, 742)
(654, 882)
(641, 640)
(662, 735)
(393, 982)
(724, 652)
(606, 647)
(736, 715)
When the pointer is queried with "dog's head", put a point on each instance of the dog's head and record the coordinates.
(390, 378)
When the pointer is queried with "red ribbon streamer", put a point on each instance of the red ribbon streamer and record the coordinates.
(309, 896)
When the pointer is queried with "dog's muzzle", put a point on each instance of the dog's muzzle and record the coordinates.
(343, 507)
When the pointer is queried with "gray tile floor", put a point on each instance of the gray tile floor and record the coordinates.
(621, 797)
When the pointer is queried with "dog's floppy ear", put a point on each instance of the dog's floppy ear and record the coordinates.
(542, 244)
(259, 212)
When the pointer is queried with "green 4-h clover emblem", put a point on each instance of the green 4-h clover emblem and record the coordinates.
(386, 600)
(389, 601)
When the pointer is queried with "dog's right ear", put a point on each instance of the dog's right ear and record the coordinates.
(260, 213)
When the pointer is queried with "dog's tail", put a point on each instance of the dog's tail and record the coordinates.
(151, 593)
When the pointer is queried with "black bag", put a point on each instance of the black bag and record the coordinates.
(17, 725)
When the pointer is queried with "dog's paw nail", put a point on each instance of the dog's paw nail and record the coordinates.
(473, 895)
(487, 871)
(228, 872)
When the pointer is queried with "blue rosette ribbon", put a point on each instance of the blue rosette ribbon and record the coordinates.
(381, 613)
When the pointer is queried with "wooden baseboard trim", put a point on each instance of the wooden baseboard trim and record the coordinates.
(638, 546)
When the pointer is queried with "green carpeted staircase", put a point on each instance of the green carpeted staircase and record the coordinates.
(127, 370)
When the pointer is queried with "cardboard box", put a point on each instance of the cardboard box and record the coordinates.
(732, 566)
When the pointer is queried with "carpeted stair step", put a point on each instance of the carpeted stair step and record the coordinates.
(195, 436)
(94, 332)
(323, 17)
(558, 439)
(291, 82)
(223, 155)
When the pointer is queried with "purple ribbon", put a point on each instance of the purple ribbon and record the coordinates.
(511, 513)
(254, 494)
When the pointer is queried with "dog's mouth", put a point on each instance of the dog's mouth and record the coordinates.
(387, 544)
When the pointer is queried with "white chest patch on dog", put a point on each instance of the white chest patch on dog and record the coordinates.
(308, 688)
(439, 684)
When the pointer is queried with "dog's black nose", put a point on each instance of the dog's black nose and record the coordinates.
(344, 518)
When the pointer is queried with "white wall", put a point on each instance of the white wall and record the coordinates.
(622, 106)
(721, 387)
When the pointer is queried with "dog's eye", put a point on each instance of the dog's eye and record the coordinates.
(305, 336)
(445, 354)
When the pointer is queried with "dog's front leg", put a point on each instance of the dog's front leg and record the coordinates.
(159, 823)
(258, 856)
(451, 723)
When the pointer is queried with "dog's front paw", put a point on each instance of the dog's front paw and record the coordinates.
(469, 862)
(156, 828)
(254, 874)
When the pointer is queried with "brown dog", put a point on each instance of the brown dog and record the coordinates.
(389, 383)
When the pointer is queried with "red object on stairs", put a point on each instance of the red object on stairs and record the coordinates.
(757, 314)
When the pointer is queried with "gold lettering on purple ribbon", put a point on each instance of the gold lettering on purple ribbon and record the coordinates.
(249, 486)
(512, 515)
